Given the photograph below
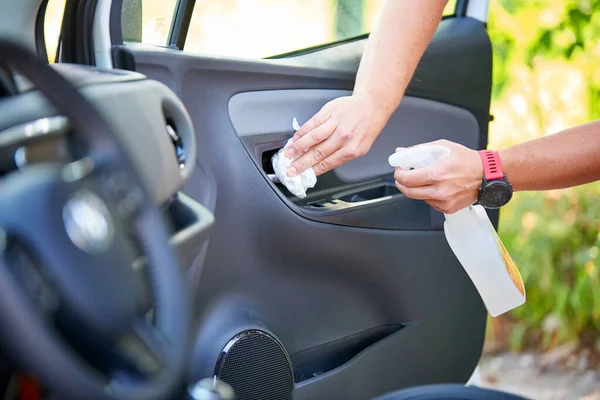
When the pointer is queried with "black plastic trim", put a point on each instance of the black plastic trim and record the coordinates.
(116, 33)
(123, 57)
(40, 38)
(67, 49)
(310, 363)
(191, 224)
(461, 8)
(76, 32)
(8, 86)
(86, 42)
(319, 47)
(181, 23)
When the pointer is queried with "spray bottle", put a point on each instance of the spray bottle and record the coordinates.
(473, 240)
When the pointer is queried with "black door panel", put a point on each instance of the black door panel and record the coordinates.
(365, 298)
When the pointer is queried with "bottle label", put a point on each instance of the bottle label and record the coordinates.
(510, 265)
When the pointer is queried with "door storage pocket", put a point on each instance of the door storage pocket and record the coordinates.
(315, 361)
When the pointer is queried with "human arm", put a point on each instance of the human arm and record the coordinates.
(346, 127)
(565, 159)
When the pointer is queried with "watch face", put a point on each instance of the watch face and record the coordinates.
(495, 194)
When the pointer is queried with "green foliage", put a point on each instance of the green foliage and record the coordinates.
(348, 18)
(131, 20)
(573, 32)
(504, 44)
(554, 238)
(520, 36)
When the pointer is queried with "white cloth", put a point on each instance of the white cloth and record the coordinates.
(298, 184)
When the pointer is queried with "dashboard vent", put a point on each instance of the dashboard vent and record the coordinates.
(177, 143)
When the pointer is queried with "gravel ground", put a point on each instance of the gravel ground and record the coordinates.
(521, 375)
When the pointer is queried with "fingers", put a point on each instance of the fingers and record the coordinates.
(449, 185)
(318, 119)
(438, 205)
(335, 160)
(316, 157)
(417, 177)
(447, 207)
(311, 138)
(432, 196)
(418, 193)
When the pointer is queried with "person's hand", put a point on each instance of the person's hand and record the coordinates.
(450, 184)
(344, 129)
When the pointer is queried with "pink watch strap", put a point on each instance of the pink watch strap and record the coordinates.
(491, 165)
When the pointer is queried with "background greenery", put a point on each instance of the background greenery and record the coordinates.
(547, 78)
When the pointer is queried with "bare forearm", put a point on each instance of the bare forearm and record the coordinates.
(565, 159)
(394, 49)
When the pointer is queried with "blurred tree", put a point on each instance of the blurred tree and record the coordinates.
(349, 16)
(525, 31)
(131, 15)
(553, 236)
(574, 37)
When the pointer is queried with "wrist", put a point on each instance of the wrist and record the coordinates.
(477, 173)
(495, 191)
(507, 166)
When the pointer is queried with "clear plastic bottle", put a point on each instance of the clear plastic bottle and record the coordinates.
(473, 240)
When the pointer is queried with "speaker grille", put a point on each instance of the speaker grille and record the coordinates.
(257, 367)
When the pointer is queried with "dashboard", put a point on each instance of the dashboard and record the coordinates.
(151, 123)
(149, 119)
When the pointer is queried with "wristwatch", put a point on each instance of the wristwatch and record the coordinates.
(495, 190)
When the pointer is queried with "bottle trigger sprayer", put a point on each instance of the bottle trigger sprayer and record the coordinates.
(473, 240)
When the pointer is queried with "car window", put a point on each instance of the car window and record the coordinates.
(256, 28)
(147, 21)
(264, 28)
(52, 23)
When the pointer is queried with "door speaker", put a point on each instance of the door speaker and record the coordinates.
(256, 366)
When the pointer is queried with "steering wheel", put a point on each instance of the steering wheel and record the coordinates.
(70, 302)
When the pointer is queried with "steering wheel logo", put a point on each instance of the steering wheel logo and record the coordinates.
(88, 222)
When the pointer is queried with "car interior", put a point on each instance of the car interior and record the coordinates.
(146, 247)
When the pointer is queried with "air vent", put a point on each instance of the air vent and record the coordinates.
(177, 143)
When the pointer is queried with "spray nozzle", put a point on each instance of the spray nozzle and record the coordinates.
(418, 156)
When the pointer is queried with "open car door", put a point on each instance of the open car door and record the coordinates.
(351, 292)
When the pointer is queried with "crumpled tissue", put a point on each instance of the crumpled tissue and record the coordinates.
(300, 183)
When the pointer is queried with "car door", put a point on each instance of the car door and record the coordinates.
(352, 291)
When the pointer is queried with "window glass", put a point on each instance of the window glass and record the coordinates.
(254, 28)
(147, 21)
(263, 28)
(52, 23)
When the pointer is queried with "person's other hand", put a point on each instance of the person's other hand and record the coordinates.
(449, 185)
(344, 129)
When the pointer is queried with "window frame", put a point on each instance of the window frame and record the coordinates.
(40, 35)
(181, 23)
(77, 23)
